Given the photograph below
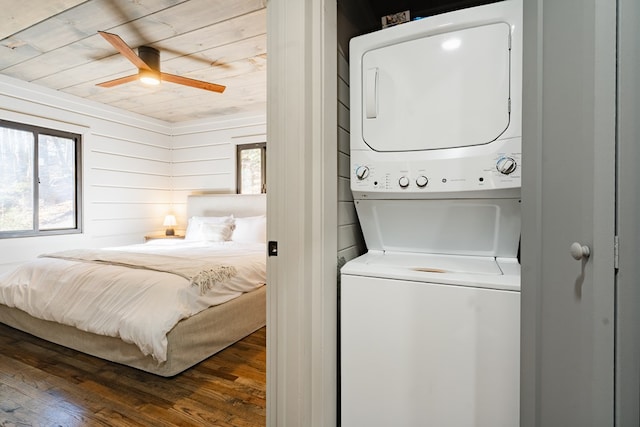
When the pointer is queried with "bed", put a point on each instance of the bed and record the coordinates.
(237, 310)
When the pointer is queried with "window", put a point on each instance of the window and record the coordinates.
(251, 168)
(41, 183)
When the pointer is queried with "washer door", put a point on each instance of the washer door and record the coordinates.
(441, 91)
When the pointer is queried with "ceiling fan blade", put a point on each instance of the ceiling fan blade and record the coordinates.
(124, 49)
(199, 84)
(119, 81)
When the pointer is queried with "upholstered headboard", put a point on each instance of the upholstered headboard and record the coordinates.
(238, 205)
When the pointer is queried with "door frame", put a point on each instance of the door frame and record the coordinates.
(628, 212)
(302, 210)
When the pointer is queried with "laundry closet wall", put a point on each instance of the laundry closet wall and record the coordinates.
(350, 240)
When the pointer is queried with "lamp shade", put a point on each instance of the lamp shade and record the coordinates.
(169, 221)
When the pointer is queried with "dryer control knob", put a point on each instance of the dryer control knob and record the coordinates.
(403, 182)
(422, 181)
(506, 165)
(362, 172)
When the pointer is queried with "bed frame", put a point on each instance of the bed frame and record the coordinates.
(191, 340)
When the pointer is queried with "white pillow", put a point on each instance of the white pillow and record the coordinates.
(250, 229)
(195, 226)
(216, 232)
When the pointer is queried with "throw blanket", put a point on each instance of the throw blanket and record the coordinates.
(199, 273)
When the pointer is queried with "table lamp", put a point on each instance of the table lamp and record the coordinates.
(169, 222)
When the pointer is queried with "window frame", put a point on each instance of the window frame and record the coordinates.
(263, 164)
(77, 138)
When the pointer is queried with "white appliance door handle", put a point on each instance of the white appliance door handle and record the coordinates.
(371, 93)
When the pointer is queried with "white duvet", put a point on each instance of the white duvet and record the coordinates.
(137, 305)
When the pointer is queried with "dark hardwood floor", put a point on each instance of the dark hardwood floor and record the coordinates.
(44, 384)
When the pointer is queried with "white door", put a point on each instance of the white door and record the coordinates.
(568, 192)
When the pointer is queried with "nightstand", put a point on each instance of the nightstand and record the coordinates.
(161, 236)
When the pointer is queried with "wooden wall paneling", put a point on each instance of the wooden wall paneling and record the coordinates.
(222, 183)
(344, 190)
(343, 93)
(249, 139)
(103, 194)
(142, 143)
(130, 179)
(227, 126)
(350, 240)
(115, 211)
(344, 164)
(218, 137)
(203, 152)
(343, 141)
(343, 117)
(347, 213)
(220, 166)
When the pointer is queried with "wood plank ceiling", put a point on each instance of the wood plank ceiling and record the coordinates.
(54, 43)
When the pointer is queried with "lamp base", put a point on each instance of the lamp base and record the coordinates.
(170, 232)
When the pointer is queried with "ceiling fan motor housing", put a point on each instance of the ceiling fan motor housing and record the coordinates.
(150, 56)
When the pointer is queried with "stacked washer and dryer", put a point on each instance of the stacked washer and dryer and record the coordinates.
(430, 315)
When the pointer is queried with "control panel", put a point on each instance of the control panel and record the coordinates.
(498, 170)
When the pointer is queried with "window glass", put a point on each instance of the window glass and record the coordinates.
(251, 168)
(16, 173)
(56, 167)
(41, 181)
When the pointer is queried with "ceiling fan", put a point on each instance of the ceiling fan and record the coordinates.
(148, 62)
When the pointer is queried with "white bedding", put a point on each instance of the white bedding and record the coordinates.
(138, 306)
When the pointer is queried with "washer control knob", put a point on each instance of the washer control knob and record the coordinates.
(506, 165)
(422, 181)
(403, 182)
(362, 172)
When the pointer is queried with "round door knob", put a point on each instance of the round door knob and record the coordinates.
(579, 251)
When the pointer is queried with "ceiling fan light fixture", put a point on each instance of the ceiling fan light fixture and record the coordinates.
(148, 62)
(149, 77)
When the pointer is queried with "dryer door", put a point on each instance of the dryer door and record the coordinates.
(441, 91)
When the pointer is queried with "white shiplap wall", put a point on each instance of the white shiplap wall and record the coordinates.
(127, 182)
(350, 241)
(204, 157)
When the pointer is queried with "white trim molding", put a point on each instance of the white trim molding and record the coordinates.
(302, 211)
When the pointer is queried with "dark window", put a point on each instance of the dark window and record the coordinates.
(251, 176)
(40, 172)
